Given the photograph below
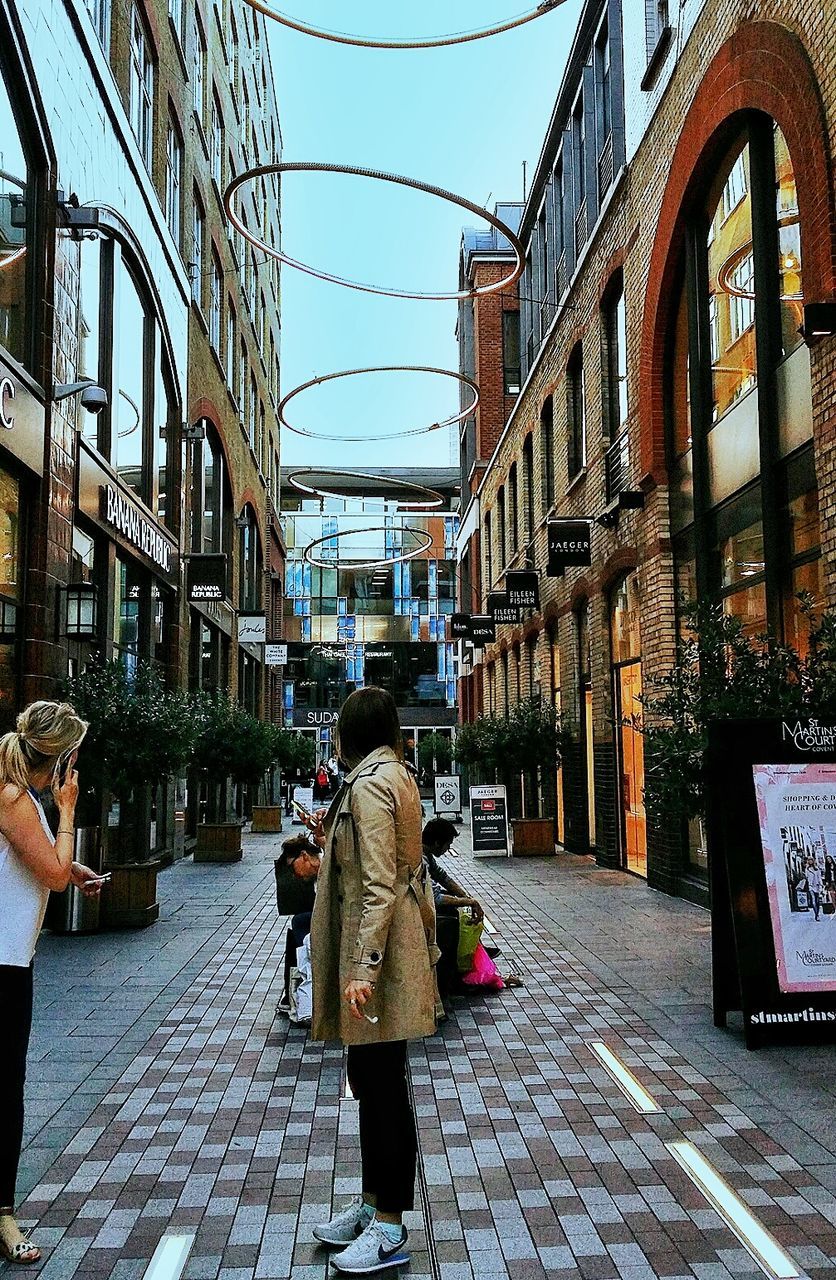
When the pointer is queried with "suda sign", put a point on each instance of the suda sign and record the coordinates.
(570, 544)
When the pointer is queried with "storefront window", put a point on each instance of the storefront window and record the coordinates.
(249, 563)
(789, 247)
(15, 183)
(88, 329)
(128, 379)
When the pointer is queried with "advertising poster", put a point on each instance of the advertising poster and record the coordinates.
(489, 821)
(797, 817)
(448, 794)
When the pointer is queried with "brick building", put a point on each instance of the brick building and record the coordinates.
(119, 127)
(488, 333)
(681, 215)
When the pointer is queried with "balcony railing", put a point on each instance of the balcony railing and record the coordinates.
(617, 467)
(605, 168)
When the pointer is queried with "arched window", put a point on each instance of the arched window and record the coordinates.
(250, 562)
(547, 452)
(744, 506)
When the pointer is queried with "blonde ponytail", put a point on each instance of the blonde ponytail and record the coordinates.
(45, 732)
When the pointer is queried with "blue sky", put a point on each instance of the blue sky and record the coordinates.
(463, 118)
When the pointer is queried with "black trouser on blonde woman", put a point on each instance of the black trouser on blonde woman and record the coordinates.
(388, 1140)
(16, 1021)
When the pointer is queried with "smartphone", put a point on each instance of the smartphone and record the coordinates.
(100, 879)
(300, 809)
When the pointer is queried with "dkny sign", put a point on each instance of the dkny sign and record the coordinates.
(121, 514)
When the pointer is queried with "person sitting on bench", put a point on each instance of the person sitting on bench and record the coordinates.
(300, 858)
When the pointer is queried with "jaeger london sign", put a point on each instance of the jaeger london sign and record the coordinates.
(570, 543)
(121, 514)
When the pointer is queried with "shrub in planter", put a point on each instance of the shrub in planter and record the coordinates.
(231, 746)
(525, 744)
(435, 753)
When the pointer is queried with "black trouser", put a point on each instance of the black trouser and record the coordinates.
(16, 1021)
(300, 927)
(388, 1140)
(447, 940)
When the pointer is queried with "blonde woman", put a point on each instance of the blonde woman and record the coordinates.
(41, 752)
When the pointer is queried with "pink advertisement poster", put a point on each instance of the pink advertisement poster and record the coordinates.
(797, 813)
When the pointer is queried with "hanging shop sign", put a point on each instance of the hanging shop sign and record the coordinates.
(21, 421)
(275, 655)
(206, 577)
(489, 822)
(460, 626)
(482, 629)
(570, 544)
(503, 613)
(522, 589)
(309, 718)
(447, 796)
(252, 628)
(772, 856)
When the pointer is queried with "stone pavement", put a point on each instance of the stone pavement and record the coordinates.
(165, 1097)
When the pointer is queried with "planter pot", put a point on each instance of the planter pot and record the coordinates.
(267, 817)
(218, 842)
(129, 901)
(532, 836)
(70, 911)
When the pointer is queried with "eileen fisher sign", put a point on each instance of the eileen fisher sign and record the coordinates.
(121, 514)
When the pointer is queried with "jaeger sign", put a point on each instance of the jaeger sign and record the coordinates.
(121, 514)
(570, 543)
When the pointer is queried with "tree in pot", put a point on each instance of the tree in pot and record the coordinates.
(141, 735)
(722, 673)
(291, 753)
(232, 746)
(435, 754)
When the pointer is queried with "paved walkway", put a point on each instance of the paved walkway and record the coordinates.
(166, 1097)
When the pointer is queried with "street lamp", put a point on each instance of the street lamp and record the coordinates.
(81, 613)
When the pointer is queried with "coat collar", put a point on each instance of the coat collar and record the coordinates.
(381, 755)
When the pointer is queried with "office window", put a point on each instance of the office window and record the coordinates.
(576, 412)
(559, 197)
(528, 489)
(511, 352)
(176, 12)
(216, 285)
(513, 510)
(99, 11)
(198, 234)
(141, 87)
(243, 366)
(216, 142)
(656, 21)
(173, 180)
(231, 349)
(253, 412)
(199, 71)
(604, 86)
(615, 359)
(488, 536)
(234, 58)
(547, 447)
(501, 530)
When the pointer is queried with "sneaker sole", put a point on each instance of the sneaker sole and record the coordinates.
(397, 1260)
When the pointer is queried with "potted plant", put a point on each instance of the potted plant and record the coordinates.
(435, 754)
(231, 746)
(290, 752)
(141, 734)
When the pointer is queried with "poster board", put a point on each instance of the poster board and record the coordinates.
(489, 822)
(447, 794)
(772, 856)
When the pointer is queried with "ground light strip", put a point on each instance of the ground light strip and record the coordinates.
(170, 1258)
(754, 1237)
(626, 1081)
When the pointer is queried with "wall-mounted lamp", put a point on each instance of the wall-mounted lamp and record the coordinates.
(819, 321)
(93, 397)
(82, 611)
(242, 522)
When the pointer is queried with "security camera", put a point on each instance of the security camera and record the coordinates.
(93, 399)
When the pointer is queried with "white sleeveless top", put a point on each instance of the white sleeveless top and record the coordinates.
(23, 900)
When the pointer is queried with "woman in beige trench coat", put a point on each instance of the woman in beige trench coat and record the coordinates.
(373, 955)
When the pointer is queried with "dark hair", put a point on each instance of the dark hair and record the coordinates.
(439, 831)
(294, 847)
(368, 720)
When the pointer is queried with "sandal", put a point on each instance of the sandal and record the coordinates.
(514, 981)
(24, 1253)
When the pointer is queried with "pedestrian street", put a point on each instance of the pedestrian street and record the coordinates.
(177, 1125)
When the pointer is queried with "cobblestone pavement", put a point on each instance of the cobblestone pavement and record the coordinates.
(167, 1098)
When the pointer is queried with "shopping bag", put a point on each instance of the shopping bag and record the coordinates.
(300, 987)
(470, 935)
(484, 972)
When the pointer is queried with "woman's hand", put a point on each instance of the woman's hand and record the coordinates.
(358, 994)
(85, 879)
(65, 794)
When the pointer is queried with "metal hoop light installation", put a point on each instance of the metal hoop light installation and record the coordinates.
(337, 563)
(267, 170)
(396, 435)
(419, 42)
(426, 502)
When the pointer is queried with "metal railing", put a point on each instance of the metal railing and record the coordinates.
(617, 466)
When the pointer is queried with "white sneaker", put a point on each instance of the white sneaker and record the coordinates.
(372, 1251)
(345, 1226)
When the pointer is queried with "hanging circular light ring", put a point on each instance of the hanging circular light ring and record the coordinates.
(428, 42)
(319, 563)
(267, 170)
(452, 421)
(428, 501)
